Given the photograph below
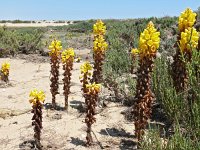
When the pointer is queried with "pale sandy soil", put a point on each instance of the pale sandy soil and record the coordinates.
(61, 130)
(42, 24)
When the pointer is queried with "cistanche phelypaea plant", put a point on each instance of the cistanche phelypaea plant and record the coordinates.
(99, 49)
(55, 51)
(186, 41)
(5, 68)
(67, 60)
(37, 99)
(91, 103)
(148, 44)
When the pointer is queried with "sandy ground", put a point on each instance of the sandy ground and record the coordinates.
(61, 130)
(42, 24)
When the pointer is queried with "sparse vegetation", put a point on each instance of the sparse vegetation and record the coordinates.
(14, 41)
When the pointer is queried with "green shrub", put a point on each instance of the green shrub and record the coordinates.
(182, 109)
(13, 41)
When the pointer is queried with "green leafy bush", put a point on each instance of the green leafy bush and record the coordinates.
(13, 41)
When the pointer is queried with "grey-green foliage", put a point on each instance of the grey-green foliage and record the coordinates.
(123, 35)
(183, 109)
(8, 41)
(193, 117)
(164, 90)
(181, 142)
(30, 42)
(152, 141)
(178, 141)
(13, 40)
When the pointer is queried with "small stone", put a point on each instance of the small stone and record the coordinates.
(10, 96)
(49, 146)
(15, 122)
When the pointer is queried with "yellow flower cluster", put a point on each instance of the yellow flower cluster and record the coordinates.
(86, 67)
(149, 40)
(55, 48)
(100, 45)
(66, 54)
(5, 68)
(37, 97)
(99, 28)
(93, 88)
(189, 39)
(186, 19)
(134, 51)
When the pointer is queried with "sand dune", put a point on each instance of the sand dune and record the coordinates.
(37, 24)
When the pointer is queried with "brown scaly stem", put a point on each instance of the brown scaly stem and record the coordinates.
(90, 119)
(54, 79)
(4, 77)
(97, 73)
(84, 79)
(84, 82)
(144, 96)
(179, 71)
(66, 80)
(84, 89)
(37, 123)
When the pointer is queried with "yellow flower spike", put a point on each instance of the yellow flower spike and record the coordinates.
(66, 54)
(55, 47)
(37, 96)
(86, 67)
(93, 88)
(5, 68)
(100, 45)
(99, 28)
(186, 19)
(149, 40)
(189, 39)
(134, 51)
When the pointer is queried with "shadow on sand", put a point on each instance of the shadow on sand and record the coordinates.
(116, 133)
